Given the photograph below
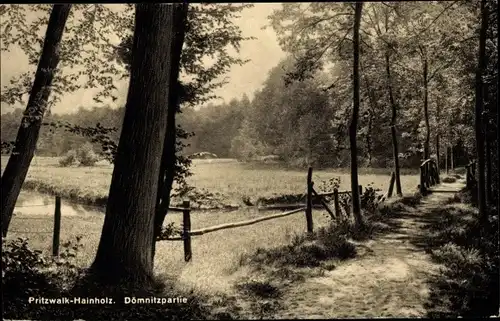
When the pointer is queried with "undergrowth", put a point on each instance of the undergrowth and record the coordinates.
(467, 247)
(28, 273)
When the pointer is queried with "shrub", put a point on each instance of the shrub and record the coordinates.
(28, 273)
(86, 155)
(68, 159)
(370, 199)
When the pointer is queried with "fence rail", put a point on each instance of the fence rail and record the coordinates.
(187, 233)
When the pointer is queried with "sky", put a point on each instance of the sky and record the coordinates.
(264, 53)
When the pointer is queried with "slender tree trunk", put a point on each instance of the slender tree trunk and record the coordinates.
(393, 124)
(446, 159)
(369, 137)
(489, 174)
(124, 255)
(438, 107)
(167, 170)
(426, 109)
(373, 107)
(356, 206)
(481, 191)
(27, 135)
(452, 164)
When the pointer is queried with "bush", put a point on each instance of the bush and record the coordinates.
(86, 155)
(68, 159)
(28, 273)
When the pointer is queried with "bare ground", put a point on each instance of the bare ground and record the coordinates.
(388, 278)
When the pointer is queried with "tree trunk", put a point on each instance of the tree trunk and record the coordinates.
(356, 206)
(481, 191)
(167, 170)
(124, 255)
(438, 107)
(489, 174)
(27, 135)
(373, 107)
(426, 110)
(446, 159)
(394, 136)
(452, 164)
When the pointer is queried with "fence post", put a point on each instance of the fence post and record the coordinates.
(391, 185)
(336, 202)
(360, 188)
(57, 227)
(186, 233)
(309, 218)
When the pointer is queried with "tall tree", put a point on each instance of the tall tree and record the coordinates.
(124, 254)
(479, 108)
(167, 174)
(27, 135)
(353, 127)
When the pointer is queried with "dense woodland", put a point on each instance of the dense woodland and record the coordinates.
(364, 84)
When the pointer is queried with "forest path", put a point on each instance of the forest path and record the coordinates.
(389, 279)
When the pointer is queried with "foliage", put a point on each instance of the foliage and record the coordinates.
(29, 273)
(69, 159)
(169, 231)
(370, 199)
(86, 155)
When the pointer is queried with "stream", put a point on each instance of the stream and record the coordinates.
(34, 203)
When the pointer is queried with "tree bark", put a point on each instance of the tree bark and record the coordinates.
(356, 206)
(426, 108)
(394, 136)
(479, 107)
(167, 169)
(373, 107)
(446, 159)
(452, 164)
(27, 135)
(438, 116)
(124, 255)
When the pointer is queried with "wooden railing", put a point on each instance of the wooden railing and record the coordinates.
(429, 175)
(470, 174)
(335, 213)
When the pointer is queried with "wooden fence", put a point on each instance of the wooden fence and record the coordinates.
(335, 213)
(187, 233)
(429, 175)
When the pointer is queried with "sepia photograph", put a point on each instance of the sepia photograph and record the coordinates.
(250, 161)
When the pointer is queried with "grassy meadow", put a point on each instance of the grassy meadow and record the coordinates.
(232, 179)
(217, 255)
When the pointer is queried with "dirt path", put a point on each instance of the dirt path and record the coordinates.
(387, 280)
